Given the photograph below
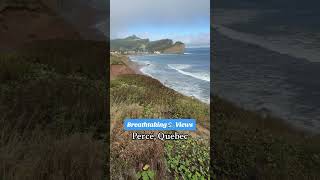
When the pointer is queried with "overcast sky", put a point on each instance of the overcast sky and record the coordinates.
(181, 20)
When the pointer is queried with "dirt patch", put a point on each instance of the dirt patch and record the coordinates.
(116, 70)
(128, 67)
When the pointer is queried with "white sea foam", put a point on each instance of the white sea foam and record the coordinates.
(143, 63)
(176, 76)
(145, 71)
(198, 75)
(281, 45)
(183, 87)
(179, 66)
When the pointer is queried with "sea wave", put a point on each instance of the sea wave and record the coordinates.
(198, 75)
(287, 45)
(175, 79)
(184, 88)
(145, 71)
(143, 63)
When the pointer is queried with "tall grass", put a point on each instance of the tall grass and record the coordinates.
(52, 113)
(250, 146)
(158, 101)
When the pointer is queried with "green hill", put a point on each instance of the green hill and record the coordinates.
(130, 43)
(134, 43)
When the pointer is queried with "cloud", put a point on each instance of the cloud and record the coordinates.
(157, 14)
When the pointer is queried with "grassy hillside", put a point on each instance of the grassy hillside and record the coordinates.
(52, 106)
(248, 146)
(139, 96)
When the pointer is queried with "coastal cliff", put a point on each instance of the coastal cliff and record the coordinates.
(134, 44)
(177, 48)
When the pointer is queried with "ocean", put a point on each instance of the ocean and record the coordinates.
(187, 73)
(270, 62)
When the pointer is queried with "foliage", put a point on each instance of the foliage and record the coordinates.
(188, 159)
(115, 61)
(139, 96)
(146, 173)
(163, 103)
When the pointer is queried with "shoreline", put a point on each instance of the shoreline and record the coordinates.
(136, 67)
(278, 121)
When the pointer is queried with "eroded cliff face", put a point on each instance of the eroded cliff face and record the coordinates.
(177, 48)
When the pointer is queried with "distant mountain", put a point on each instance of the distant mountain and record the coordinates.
(129, 43)
(134, 43)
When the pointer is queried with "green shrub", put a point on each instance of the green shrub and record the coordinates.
(156, 99)
(188, 159)
(114, 60)
(141, 96)
(146, 173)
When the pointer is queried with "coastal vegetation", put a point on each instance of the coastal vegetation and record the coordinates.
(114, 60)
(140, 96)
(52, 123)
(188, 159)
(246, 144)
(249, 146)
